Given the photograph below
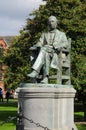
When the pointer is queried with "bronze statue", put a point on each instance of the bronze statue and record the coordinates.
(50, 43)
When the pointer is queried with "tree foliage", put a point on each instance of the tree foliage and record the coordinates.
(71, 15)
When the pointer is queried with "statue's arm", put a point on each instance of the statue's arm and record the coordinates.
(62, 42)
(39, 43)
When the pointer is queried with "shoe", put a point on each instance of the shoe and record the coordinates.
(45, 80)
(33, 74)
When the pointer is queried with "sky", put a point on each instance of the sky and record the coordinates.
(13, 15)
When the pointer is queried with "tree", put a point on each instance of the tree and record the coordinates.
(17, 61)
(71, 16)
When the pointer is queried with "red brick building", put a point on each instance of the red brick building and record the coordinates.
(4, 44)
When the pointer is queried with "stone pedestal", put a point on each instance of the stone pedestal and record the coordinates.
(46, 106)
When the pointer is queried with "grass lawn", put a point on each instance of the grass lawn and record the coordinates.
(79, 120)
(6, 110)
(79, 116)
(81, 127)
(10, 109)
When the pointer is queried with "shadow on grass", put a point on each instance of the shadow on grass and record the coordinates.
(79, 113)
(4, 117)
(8, 110)
(10, 104)
(81, 127)
(78, 107)
(78, 117)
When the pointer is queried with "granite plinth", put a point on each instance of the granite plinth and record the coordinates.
(49, 107)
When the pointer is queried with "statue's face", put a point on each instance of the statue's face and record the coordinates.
(52, 24)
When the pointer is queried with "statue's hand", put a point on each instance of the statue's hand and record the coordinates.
(33, 48)
(48, 48)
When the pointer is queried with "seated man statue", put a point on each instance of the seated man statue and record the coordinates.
(50, 43)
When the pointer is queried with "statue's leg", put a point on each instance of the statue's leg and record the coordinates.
(33, 56)
(39, 61)
(47, 64)
(46, 69)
(38, 64)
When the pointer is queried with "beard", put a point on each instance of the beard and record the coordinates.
(52, 27)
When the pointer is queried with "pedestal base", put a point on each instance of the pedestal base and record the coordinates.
(50, 107)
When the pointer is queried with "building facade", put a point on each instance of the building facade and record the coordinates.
(4, 45)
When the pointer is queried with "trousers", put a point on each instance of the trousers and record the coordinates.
(43, 60)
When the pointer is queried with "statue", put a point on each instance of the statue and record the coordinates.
(49, 45)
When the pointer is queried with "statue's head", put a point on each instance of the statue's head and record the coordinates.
(52, 22)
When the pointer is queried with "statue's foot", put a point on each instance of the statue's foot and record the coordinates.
(33, 74)
(45, 80)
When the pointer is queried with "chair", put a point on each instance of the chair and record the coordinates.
(62, 76)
